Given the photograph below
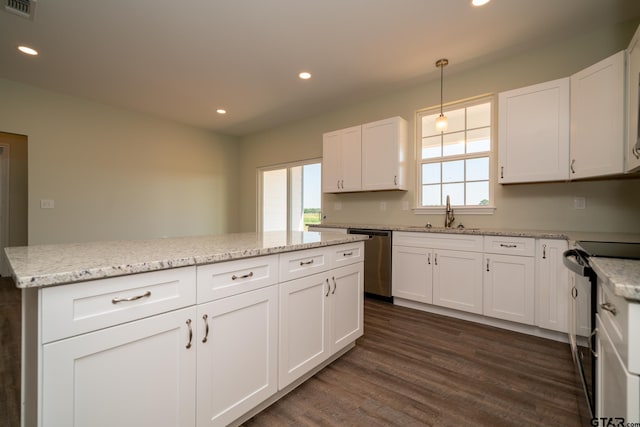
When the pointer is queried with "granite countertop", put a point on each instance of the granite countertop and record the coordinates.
(47, 265)
(623, 275)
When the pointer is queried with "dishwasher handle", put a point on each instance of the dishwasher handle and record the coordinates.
(370, 233)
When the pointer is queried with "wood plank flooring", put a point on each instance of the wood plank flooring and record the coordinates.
(410, 369)
(419, 369)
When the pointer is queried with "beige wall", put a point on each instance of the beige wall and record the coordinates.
(115, 174)
(612, 205)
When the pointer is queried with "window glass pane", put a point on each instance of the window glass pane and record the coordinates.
(479, 140)
(478, 169)
(274, 200)
(478, 193)
(453, 143)
(455, 192)
(432, 147)
(311, 194)
(431, 173)
(455, 119)
(479, 116)
(431, 195)
(429, 125)
(453, 171)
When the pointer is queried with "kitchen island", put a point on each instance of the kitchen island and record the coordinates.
(181, 331)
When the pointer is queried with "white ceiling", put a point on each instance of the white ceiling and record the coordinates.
(182, 59)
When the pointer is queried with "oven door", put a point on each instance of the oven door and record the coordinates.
(581, 335)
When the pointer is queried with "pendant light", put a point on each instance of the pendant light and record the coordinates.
(441, 121)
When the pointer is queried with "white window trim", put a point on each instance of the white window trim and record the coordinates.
(471, 210)
(259, 186)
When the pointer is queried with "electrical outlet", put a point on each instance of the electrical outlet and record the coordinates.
(47, 204)
(579, 202)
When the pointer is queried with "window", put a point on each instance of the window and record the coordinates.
(290, 196)
(456, 162)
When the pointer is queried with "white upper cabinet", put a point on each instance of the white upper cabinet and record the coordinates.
(633, 103)
(341, 155)
(533, 133)
(384, 155)
(369, 157)
(597, 118)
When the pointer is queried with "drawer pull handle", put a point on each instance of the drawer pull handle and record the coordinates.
(609, 307)
(306, 263)
(544, 251)
(328, 288)
(244, 276)
(335, 285)
(206, 328)
(488, 264)
(190, 333)
(347, 254)
(116, 300)
(502, 245)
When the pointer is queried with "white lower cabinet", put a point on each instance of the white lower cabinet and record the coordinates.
(412, 273)
(509, 287)
(552, 286)
(319, 315)
(237, 345)
(140, 373)
(457, 280)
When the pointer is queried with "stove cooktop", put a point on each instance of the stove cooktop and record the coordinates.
(610, 249)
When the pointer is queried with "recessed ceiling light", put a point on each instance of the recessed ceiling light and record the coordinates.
(479, 2)
(27, 50)
(221, 111)
(304, 75)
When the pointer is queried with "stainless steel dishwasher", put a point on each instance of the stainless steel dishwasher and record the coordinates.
(377, 262)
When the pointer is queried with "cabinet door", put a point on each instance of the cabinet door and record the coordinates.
(617, 391)
(412, 273)
(552, 286)
(237, 362)
(384, 154)
(352, 159)
(597, 119)
(457, 280)
(633, 104)
(136, 374)
(533, 133)
(303, 326)
(347, 305)
(331, 162)
(509, 287)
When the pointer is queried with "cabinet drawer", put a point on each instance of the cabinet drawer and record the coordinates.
(523, 246)
(465, 242)
(348, 254)
(224, 279)
(82, 307)
(303, 263)
(620, 318)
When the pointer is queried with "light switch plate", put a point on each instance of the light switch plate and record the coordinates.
(47, 204)
(579, 202)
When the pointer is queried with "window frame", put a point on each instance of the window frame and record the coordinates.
(455, 105)
(288, 166)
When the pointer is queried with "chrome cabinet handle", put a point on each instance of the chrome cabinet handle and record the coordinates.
(574, 292)
(190, 333)
(502, 245)
(573, 162)
(487, 264)
(429, 259)
(435, 259)
(306, 263)
(328, 288)
(335, 285)
(347, 254)
(544, 251)
(635, 152)
(206, 328)
(501, 172)
(117, 300)
(607, 306)
(244, 276)
(593, 334)
(395, 180)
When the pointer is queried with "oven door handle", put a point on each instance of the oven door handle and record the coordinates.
(576, 261)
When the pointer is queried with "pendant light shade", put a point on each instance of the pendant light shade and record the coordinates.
(441, 122)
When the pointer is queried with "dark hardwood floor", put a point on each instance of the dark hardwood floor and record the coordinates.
(409, 369)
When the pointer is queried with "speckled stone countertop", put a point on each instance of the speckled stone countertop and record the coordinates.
(623, 275)
(47, 265)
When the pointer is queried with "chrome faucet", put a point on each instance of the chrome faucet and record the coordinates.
(448, 215)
